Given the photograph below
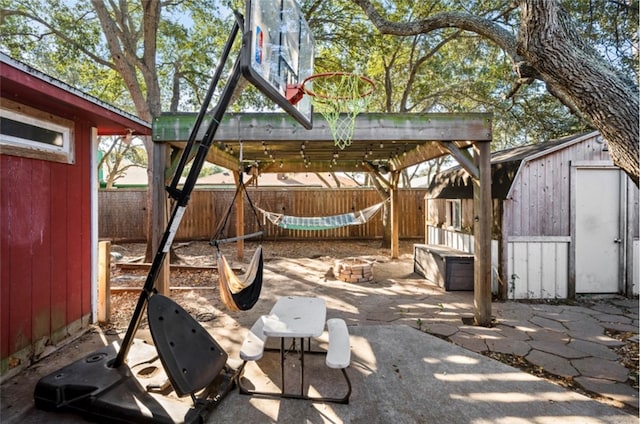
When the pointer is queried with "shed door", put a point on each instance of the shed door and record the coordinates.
(597, 230)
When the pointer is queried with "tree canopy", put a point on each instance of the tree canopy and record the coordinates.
(545, 68)
(593, 77)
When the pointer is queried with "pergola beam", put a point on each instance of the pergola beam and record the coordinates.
(464, 159)
(390, 127)
(276, 142)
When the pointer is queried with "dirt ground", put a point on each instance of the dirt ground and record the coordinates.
(194, 280)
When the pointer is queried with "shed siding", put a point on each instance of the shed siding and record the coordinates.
(46, 246)
(540, 193)
(636, 267)
(538, 268)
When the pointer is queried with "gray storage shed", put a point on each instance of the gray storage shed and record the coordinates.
(565, 219)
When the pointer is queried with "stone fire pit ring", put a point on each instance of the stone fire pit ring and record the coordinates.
(353, 270)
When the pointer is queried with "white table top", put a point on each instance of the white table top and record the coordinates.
(296, 317)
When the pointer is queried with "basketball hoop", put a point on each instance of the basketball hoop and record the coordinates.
(339, 97)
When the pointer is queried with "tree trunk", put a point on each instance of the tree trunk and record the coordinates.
(573, 70)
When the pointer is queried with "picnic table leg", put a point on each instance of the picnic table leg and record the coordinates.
(282, 364)
(301, 366)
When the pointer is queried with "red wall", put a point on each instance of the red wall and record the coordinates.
(45, 246)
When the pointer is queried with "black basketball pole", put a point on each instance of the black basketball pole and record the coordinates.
(203, 109)
(182, 196)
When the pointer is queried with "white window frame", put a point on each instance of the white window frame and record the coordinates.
(18, 146)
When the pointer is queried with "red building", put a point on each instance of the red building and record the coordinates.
(48, 209)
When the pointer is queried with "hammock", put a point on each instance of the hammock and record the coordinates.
(323, 222)
(240, 293)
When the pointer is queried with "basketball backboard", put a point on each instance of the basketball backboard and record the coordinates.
(278, 54)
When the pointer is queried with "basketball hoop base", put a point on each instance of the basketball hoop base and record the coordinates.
(94, 389)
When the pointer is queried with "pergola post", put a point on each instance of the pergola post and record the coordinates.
(482, 234)
(159, 213)
(395, 215)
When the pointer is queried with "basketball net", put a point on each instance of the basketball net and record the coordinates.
(339, 97)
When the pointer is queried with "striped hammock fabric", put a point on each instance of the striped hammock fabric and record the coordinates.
(322, 222)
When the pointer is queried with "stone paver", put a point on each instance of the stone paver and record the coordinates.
(631, 304)
(552, 363)
(469, 341)
(587, 325)
(600, 368)
(441, 329)
(621, 327)
(512, 347)
(609, 389)
(512, 333)
(544, 307)
(549, 335)
(558, 349)
(600, 338)
(564, 315)
(593, 349)
(483, 332)
(614, 319)
(385, 315)
(547, 323)
(564, 340)
(523, 326)
(510, 315)
(606, 308)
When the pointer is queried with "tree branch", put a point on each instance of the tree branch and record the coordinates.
(464, 21)
(4, 13)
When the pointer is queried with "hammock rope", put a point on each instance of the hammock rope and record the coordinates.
(323, 222)
(219, 237)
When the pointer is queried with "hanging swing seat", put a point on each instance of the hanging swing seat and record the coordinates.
(240, 293)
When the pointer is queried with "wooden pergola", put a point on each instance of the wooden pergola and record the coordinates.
(383, 144)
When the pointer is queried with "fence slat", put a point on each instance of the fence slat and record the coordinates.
(123, 217)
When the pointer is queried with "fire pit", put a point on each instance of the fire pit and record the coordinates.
(353, 270)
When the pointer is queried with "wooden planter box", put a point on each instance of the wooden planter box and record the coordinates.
(449, 268)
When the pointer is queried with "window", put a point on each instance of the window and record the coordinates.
(453, 215)
(28, 132)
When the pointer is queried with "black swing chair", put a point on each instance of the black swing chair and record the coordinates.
(239, 293)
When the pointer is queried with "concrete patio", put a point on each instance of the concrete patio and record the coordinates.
(400, 372)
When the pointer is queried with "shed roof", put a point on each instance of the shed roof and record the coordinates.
(455, 182)
(26, 85)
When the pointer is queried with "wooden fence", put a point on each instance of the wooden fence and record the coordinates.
(123, 213)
